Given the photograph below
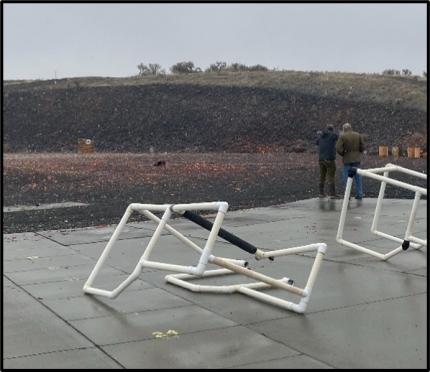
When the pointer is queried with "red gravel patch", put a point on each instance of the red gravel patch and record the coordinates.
(109, 182)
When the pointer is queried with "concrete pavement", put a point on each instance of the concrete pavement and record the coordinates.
(363, 313)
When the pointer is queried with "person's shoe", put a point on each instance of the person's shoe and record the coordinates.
(358, 198)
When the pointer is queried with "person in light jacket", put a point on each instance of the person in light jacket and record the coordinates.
(350, 146)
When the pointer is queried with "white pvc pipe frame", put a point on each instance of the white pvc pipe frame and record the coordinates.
(414, 242)
(230, 266)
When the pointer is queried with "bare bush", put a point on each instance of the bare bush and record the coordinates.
(391, 72)
(150, 69)
(155, 68)
(184, 68)
(217, 67)
(237, 67)
(258, 68)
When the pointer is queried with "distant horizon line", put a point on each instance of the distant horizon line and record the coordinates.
(214, 72)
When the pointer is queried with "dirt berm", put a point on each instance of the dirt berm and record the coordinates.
(209, 113)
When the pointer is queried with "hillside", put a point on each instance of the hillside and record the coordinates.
(233, 112)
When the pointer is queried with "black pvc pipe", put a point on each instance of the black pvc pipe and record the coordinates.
(231, 238)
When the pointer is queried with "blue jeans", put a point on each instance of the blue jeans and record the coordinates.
(357, 179)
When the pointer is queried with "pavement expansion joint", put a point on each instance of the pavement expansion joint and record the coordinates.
(283, 358)
(131, 312)
(48, 352)
(181, 334)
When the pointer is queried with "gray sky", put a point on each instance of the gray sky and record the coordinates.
(112, 39)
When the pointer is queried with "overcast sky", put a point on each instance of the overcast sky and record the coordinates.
(41, 40)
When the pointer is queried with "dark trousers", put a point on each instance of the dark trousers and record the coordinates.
(327, 172)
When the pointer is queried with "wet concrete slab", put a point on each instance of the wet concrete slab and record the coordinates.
(215, 349)
(120, 328)
(56, 274)
(30, 328)
(383, 334)
(363, 312)
(22, 245)
(35, 262)
(88, 306)
(73, 288)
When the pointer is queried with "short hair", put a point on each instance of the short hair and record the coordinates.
(330, 127)
(346, 127)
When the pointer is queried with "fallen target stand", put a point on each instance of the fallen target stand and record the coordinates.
(228, 265)
(409, 240)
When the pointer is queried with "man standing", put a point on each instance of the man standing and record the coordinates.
(327, 159)
(350, 146)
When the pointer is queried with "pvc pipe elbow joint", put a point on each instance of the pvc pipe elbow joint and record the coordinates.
(198, 270)
(301, 306)
(114, 294)
(322, 248)
(259, 254)
(222, 207)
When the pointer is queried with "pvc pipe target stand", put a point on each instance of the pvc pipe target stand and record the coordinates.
(227, 265)
(409, 240)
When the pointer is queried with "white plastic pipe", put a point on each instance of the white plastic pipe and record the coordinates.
(344, 210)
(379, 204)
(207, 250)
(178, 279)
(287, 251)
(409, 171)
(371, 173)
(412, 216)
(156, 235)
(391, 181)
(221, 206)
(360, 248)
(395, 239)
(419, 241)
(314, 272)
(108, 247)
(386, 168)
(174, 232)
(152, 207)
(229, 265)
(258, 276)
(272, 300)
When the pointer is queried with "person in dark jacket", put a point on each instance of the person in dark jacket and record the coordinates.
(350, 146)
(327, 159)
